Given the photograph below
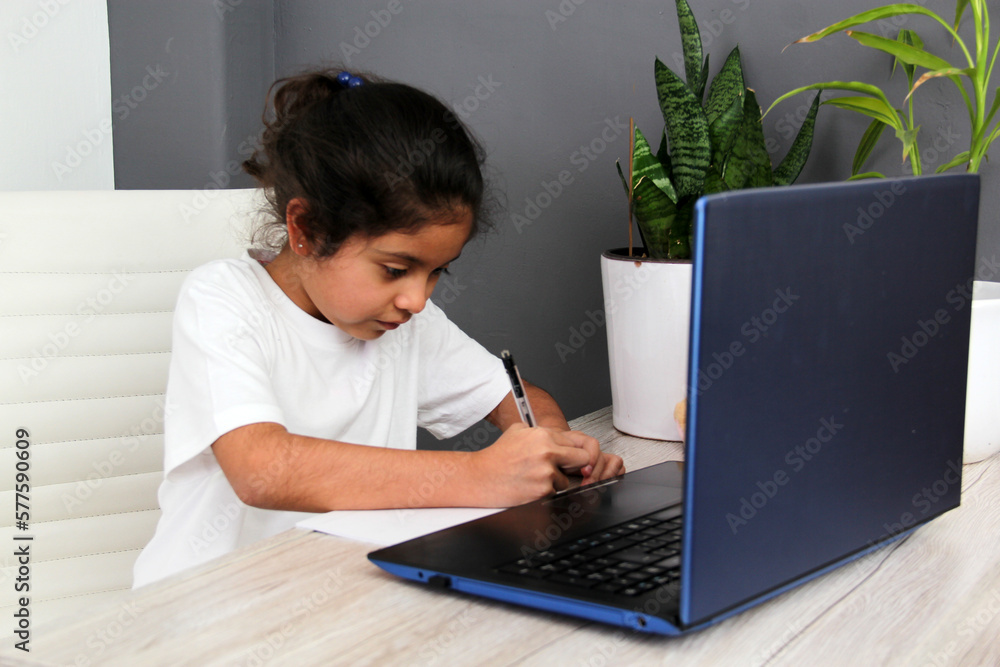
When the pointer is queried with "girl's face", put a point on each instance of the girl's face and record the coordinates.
(375, 284)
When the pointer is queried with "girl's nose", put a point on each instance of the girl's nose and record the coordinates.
(414, 295)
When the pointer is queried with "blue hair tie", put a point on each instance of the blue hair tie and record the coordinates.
(348, 80)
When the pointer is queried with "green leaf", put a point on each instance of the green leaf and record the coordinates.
(724, 130)
(959, 10)
(910, 38)
(656, 214)
(885, 12)
(960, 159)
(687, 128)
(691, 42)
(868, 106)
(647, 165)
(850, 86)
(795, 159)
(662, 154)
(700, 94)
(749, 165)
(909, 139)
(867, 145)
(713, 181)
(726, 87)
(618, 164)
(906, 53)
(951, 72)
(867, 174)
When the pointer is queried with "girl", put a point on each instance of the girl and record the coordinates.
(298, 379)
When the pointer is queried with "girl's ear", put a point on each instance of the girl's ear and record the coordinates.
(295, 217)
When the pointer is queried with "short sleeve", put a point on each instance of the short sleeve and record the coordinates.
(460, 380)
(219, 371)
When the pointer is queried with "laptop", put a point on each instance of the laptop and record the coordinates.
(826, 407)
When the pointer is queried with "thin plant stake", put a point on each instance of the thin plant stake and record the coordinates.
(631, 149)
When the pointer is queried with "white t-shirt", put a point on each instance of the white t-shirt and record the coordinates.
(244, 353)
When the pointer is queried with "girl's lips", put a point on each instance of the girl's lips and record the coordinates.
(389, 326)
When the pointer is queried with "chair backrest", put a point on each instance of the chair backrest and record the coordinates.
(89, 281)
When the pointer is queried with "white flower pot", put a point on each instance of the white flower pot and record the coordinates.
(982, 403)
(648, 307)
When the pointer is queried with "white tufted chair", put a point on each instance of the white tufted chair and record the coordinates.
(88, 282)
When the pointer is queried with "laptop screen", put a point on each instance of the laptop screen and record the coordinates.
(829, 353)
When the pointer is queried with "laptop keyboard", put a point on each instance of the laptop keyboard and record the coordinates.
(632, 558)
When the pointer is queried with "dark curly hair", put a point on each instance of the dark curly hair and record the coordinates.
(370, 159)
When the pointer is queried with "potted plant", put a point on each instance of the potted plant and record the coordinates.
(710, 143)
(971, 76)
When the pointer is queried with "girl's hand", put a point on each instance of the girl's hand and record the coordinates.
(525, 464)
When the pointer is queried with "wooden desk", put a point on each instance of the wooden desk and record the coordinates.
(305, 599)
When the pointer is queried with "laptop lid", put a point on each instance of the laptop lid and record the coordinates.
(827, 371)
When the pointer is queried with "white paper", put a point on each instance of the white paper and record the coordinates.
(387, 527)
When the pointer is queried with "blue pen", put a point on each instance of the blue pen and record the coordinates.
(520, 398)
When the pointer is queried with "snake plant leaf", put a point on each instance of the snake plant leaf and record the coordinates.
(713, 181)
(795, 159)
(868, 106)
(691, 43)
(662, 154)
(687, 128)
(646, 165)
(749, 164)
(854, 87)
(724, 130)
(656, 214)
(867, 145)
(906, 53)
(618, 164)
(886, 12)
(726, 87)
(700, 94)
(960, 159)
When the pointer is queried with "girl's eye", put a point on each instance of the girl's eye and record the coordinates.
(443, 269)
(394, 272)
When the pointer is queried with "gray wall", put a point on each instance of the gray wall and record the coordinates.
(537, 91)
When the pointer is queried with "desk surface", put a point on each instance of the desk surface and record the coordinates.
(303, 598)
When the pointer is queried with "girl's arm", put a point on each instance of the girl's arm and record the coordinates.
(270, 468)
